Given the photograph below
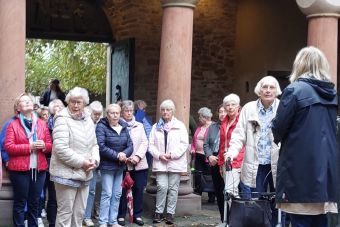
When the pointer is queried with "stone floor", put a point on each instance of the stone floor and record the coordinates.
(208, 216)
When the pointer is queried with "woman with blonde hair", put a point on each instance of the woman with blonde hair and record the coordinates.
(27, 141)
(307, 183)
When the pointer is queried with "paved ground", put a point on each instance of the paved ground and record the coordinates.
(208, 216)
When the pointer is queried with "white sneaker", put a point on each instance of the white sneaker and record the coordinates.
(88, 222)
(26, 223)
(40, 222)
(43, 213)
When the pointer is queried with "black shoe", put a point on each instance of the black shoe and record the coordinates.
(169, 219)
(157, 218)
(121, 221)
(138, 221)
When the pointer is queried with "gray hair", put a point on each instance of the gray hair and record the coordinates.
(264, 80)
(310, 62)
(205, 112)
(127, 104)
(52, 104)
(111, 106)
(77, 92)
(168, 104)
(137, 102)
(96, 106)
(231, 97)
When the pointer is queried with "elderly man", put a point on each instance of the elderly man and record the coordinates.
(253, 131)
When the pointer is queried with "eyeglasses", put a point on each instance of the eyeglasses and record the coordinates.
(76, 102)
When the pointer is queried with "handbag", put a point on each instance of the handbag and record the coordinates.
(207, 183)
(250, 213)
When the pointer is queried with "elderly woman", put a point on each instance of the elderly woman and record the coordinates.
(201, 163)
(137, 165)
(168, 145)
(210, 147)
(43, 113)
(305, 124)
(253, 130)
(231, 104)
(96, 110)
(53, 108)
(75, 154)
(27, 141)
(115, 148)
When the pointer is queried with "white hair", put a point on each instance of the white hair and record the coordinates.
(168, 104)
(205, 112)
(113, 106)
(77, 92)
(231, 97)
(52, 104)
(127, 104)
(267, 79)
(96, 106)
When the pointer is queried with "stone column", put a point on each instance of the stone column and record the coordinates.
(174, 80)
(12, 77)
(323, 28)
(175, 83)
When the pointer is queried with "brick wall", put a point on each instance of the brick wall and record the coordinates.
(213, 48)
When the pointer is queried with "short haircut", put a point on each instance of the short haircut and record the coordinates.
(77, 92)
(168, 104)
(96, 106)
(310, 62)
(231, 97)
(17, 100)
(265, 80)
(127, 104)
(137, 102)
(111, 106)
(52, 104)
(41, 109)
(205, 112)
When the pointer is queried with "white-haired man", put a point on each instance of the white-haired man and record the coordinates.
(253, 131)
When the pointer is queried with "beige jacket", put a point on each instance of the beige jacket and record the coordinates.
(73, 142)
(244, 134)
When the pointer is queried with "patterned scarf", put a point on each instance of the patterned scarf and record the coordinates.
(130, 123)
(166, 126)
(31, 132)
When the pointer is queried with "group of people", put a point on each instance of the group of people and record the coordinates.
(285, 146)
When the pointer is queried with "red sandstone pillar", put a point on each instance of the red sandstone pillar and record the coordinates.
(12, 78)
(323, 34)
(323, 29)
(175, 56)
(12, 54)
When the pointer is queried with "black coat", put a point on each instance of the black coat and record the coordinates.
(111, 143)
(305, 125)
(45, 97)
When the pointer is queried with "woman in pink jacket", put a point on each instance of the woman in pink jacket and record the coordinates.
(168, 144)
(136, 163)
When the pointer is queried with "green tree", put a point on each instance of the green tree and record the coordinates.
(73, 63)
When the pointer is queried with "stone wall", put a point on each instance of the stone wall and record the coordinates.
(213, 48)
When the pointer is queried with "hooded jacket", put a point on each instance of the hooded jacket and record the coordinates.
(305, 125)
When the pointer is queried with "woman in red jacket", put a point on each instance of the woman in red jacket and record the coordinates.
(27, 141)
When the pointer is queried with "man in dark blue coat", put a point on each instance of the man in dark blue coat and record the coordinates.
(308, 174)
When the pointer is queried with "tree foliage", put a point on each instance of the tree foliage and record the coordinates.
(73, 63)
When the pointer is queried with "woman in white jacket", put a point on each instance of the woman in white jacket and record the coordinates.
(168, 144)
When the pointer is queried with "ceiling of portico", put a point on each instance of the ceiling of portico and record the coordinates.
(80, 20)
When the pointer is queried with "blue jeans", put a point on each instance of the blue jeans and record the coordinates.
(92, 193)
(110, 196)
(26, 189)
(264, 179)
(298, 220)
(140, 179)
